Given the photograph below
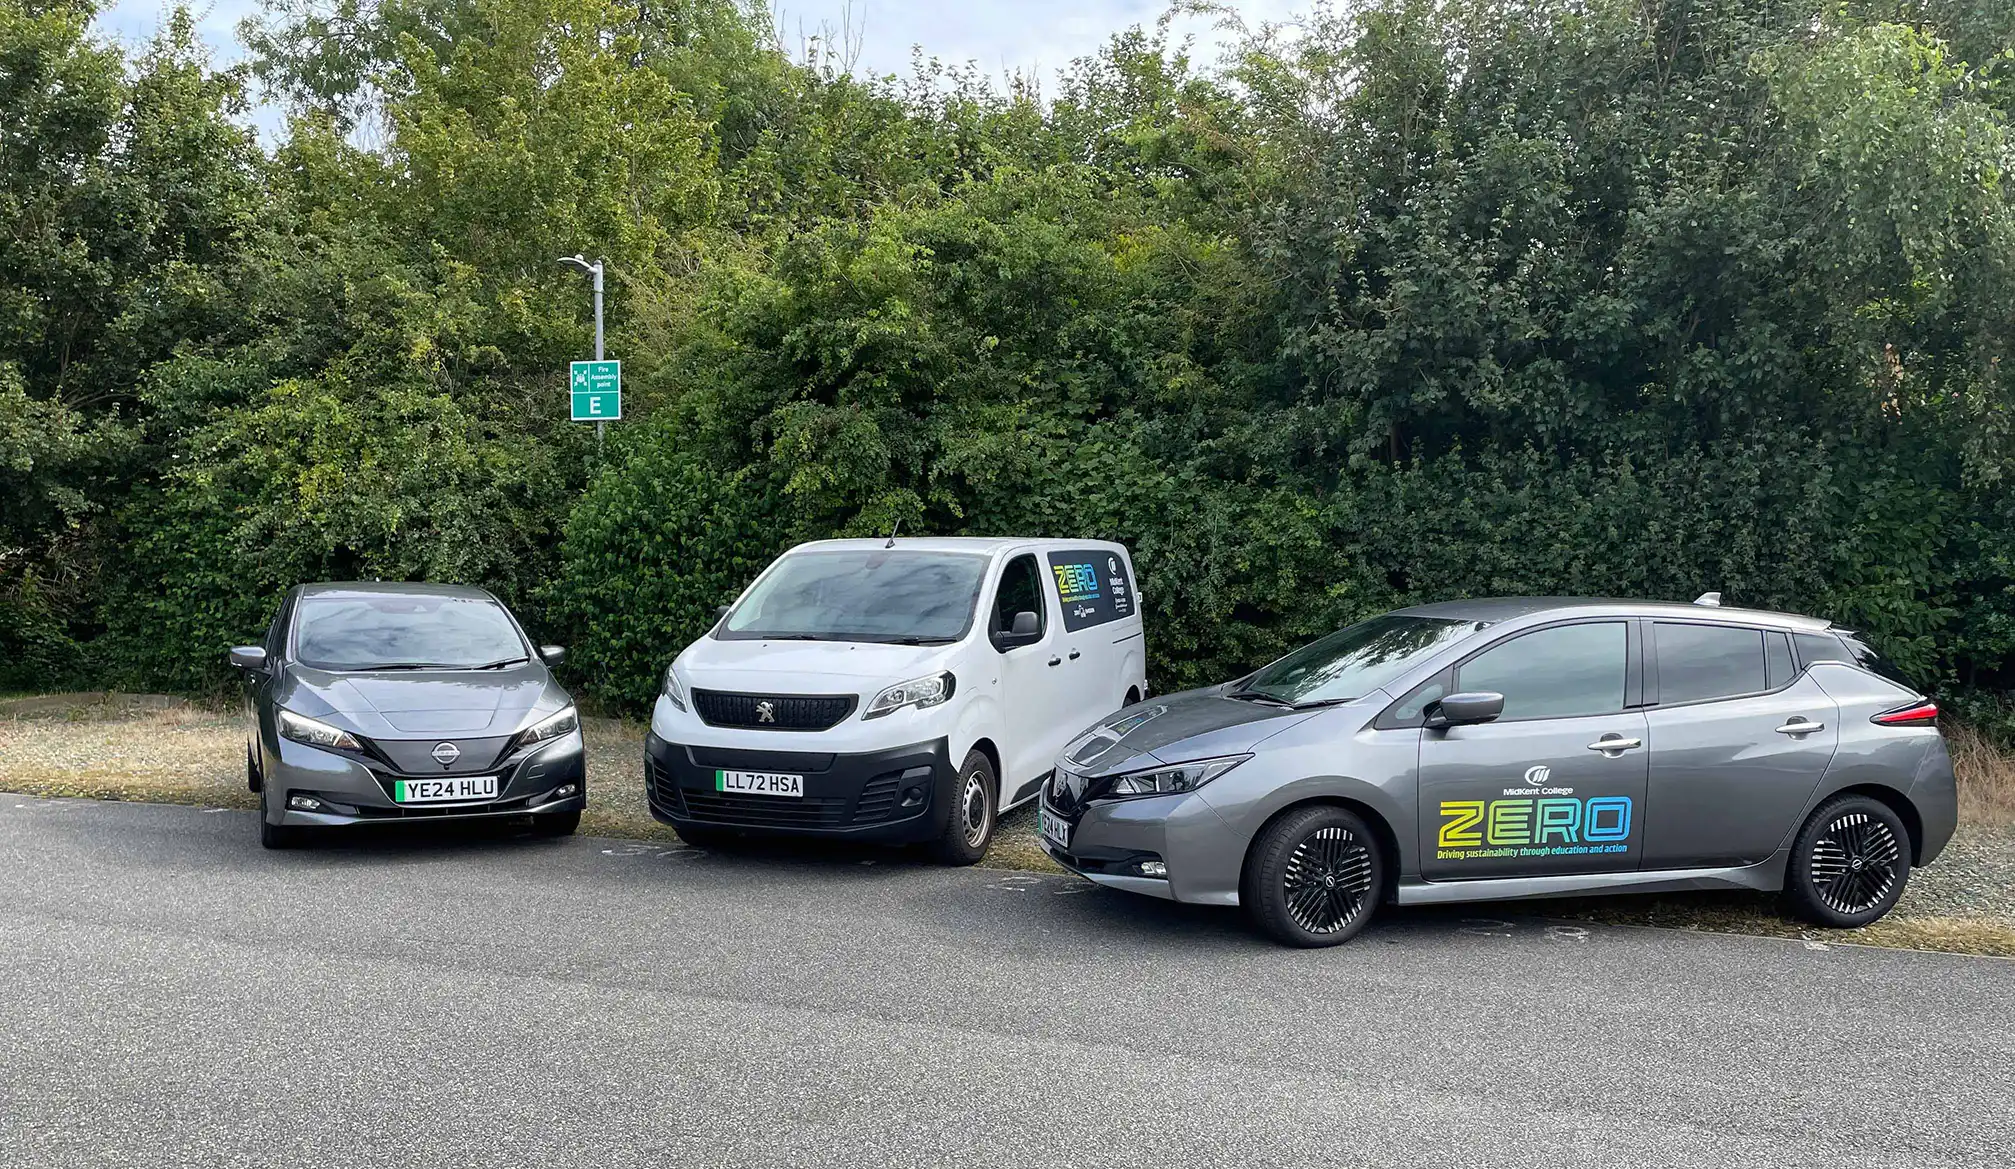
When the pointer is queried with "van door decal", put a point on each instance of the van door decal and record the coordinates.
(1092, 586)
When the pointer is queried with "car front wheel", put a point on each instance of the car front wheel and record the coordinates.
(1849, 863)
(1313, 878)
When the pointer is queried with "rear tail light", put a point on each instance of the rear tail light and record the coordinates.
(1917, 714)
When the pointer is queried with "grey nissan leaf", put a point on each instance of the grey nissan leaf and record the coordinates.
(1518, 748)
(406, 703)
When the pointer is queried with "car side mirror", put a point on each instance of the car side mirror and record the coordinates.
(552, 655)
(249, 658)
(721, 611)
(1462, 710)
(1026, 629)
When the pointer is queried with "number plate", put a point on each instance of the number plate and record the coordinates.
(444, 791)
(1053, 827)
(760, 783)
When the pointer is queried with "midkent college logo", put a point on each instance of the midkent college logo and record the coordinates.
(1537, 776)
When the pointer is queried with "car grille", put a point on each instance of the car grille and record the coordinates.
(1067, 792)
(786, 712)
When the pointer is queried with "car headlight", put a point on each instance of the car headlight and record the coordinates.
(674, 692)
(1172, 777)
(550, 727)
(302, 729)
(917, 692)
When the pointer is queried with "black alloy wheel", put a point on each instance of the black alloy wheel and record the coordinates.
(1849, 863)
(1314, 877)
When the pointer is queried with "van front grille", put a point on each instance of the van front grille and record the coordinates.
(773, 712)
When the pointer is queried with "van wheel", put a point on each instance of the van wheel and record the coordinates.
(1313, 877)
(975, 807)
(1849, 863)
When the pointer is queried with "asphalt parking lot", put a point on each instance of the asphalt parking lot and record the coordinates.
(175, 995)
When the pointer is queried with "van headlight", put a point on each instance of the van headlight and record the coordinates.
(302, 729)
(674, 693)
(1172, 777)
(917, 692)
(548, 728)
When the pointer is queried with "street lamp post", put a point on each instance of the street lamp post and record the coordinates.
(594, 269)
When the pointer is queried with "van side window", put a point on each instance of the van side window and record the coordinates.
(1020, 592)
(1697, 663)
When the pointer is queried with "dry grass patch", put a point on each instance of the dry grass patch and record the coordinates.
(1986, 778)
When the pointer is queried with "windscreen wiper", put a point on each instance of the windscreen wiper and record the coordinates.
(499, 664)
(1256, 696)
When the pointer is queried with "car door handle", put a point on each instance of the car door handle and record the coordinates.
(1614, 745)
(1056, 661)
(1800, 726)
(1075, 655)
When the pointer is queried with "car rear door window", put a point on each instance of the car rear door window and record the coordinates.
(1565, 671)
(1777, 660)
(1697, 663)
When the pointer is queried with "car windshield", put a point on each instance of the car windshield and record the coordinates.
(874, 594)
(1355, 661)
(404, 631)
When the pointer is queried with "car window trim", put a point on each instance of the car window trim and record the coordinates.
(1653, 683)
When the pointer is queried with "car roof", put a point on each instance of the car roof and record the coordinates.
(367, 588)
(979, 545)
(1496, 609)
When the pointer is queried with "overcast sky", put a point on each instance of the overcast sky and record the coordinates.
(1000, 36)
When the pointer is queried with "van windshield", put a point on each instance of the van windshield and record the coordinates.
(899, 595)
(1353, 662)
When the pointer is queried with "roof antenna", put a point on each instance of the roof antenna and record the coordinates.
(892, 534)
(1708, 599)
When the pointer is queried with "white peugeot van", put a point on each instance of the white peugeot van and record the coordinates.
(898, 691)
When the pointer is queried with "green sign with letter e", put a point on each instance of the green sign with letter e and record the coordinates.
(596, 388)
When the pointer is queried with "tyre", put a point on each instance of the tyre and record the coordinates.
(1848, 864)
(556, 823)
(969, 827)
(1313, 878)
(276, 835)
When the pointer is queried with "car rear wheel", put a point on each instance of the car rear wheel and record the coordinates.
(556, 823)
(970, 826)
(1313, 877)
(1849, 863)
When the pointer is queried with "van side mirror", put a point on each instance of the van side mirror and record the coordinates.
(552, 655)
(721, 611)
(1462, 710)
(1026, 629)
(249, 658)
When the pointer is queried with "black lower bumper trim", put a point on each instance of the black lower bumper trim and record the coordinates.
(892, 796)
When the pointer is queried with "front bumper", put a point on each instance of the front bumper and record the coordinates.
(352, 791)
(1110, 838)
(896, 796)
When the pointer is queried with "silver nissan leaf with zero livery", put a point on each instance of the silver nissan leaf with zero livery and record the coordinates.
(1519, 748)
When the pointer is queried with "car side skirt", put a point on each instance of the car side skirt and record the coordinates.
(1766, 876)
